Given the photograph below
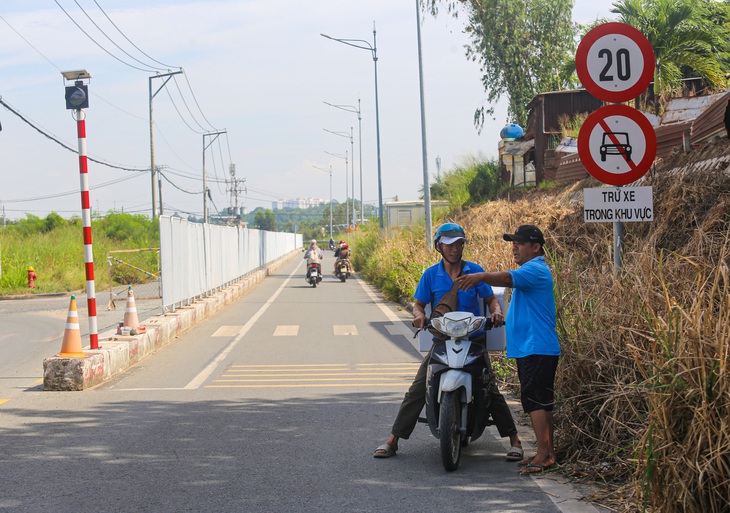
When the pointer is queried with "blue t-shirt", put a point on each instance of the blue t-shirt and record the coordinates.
(531, 315)
(436, 282)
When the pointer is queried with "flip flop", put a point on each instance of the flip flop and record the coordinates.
(540, 468)
(515, 454)
(525, 462)
(388, 451)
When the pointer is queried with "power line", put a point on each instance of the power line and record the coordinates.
(99, 45)
(64, 145)
(109, 38)
(130, 42)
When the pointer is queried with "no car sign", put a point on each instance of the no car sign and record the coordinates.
(617, 144)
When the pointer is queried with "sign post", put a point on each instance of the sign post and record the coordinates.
(616, 144)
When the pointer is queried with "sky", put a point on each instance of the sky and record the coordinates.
(257, 70)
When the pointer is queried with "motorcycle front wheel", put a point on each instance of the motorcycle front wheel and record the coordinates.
(449, 419)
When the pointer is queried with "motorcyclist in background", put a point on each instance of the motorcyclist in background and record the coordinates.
(332, 244)
(314, 255)
(343, 253)
(339, 247)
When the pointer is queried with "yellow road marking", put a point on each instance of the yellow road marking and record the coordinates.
(3, 401)
(227, 331)
(286, 331)
(344, 329)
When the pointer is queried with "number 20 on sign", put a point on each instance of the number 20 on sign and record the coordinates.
(615, 62)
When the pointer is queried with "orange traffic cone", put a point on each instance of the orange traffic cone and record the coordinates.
(130, 315)
(71, 346)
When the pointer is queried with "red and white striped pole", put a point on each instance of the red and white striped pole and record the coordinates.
(86, 221)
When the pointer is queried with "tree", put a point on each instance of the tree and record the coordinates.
(521, 46)
(265, 220)
(686, 42)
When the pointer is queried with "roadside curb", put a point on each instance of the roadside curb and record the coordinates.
(117, 353)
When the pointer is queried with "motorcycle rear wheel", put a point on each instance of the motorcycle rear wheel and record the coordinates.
(449, 419)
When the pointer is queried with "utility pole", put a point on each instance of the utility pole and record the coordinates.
(153, 167)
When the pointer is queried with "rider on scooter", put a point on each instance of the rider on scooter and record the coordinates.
(436, 281)
(344, 254)
(314, 255)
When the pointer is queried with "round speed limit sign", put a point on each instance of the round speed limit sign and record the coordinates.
(615, 62)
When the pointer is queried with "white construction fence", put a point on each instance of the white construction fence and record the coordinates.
(199, 259)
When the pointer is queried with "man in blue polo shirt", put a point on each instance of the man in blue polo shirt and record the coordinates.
(531, 336)
(436, 281)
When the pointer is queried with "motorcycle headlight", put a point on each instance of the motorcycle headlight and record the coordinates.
(458, 324)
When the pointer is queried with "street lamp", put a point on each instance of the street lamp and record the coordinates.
(347, 212)
(351, 108)
(330, 172)
(352, 166)
(374, 51)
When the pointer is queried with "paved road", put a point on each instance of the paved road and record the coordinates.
(274, 405)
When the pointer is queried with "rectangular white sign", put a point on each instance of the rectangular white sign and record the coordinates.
(610, 204)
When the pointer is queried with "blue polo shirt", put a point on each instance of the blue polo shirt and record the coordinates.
(436, 282)
(531, 315)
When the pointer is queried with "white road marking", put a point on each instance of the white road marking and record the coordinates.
(206, 373)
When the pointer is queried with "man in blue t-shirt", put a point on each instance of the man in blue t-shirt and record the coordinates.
(531, 336)
(436, 281)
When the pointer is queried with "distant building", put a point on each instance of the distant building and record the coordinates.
(399, 214)
(296, 203)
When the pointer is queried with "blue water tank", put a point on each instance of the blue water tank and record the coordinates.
(511, 131)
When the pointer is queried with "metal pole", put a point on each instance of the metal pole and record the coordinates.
(152, 155)
(347, 191)
(205, 186)
(426, 188)
(330, 201)
(359, 135)
(153, 167)
(618, 243)
(352, 169)
(377, 131)
(86, 222)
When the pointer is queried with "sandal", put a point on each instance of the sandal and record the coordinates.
(537, 468)
(515, 454)
(384, 451)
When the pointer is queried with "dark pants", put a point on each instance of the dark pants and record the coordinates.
(415, 400)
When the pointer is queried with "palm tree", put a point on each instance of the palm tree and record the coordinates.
(684, 40)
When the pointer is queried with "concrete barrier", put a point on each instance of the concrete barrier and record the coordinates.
(117, 353)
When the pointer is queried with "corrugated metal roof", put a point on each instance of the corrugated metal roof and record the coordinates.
(711, 123)
(669, 137)
(681, 110)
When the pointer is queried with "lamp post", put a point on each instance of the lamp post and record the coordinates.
(352, 167)
(351, 108)
(330, 172)
(153, 167)
(426, 187)
(374, 51)
(214, 136)
(347, 211)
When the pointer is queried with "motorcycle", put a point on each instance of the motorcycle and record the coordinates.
(456, 399)
(342, 269)
(314, 273)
